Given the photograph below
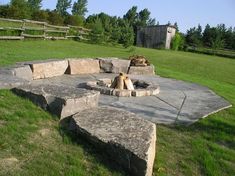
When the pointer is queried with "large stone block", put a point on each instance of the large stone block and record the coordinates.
(125, 138)
(59, 100)
(8, 81)
(83, 66)
(48, 68)
(147, 70)
(114, 65)
(21, 71)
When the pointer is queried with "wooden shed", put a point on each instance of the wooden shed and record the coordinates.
(159, 36)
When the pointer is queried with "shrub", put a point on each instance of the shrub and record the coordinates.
(97, 33)
(4, 11)
(40, 15)
(74, 20)
(177, 42)
(55, 18)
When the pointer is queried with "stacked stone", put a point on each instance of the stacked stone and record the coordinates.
(140, 66)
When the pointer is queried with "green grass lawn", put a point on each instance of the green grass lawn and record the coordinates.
(31, 143)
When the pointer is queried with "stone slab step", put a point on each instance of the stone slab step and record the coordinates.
(20, 71)
(114, 65)
(8, 81)
(62, 101)
(125, 138)
(48, 68)
(83, 66)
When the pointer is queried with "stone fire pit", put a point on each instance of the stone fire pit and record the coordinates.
(123, 124)
(142, 88)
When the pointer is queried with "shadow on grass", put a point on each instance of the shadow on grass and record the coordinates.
(99, 155)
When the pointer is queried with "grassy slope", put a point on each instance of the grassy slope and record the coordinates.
(205, 148)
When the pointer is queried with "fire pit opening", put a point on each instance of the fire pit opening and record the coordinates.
(123, 86)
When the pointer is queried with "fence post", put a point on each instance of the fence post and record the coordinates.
(23, 27)
(67, 31)
(44, 32)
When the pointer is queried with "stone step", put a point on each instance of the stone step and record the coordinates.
(8, 81)
(125, 138)
(20, 71)
(62, 101)
(83, 66)
(114, 65)
(48, 68)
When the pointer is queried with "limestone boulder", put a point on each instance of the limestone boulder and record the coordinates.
(9, 81)
(48, 68)
(20, 71)
(147, 70)
(83, 66)
(114, 65)
(59, 100)
(127, 139)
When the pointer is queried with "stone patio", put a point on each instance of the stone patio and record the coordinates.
(178, 101)
(124, 126)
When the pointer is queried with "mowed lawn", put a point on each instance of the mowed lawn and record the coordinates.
(31, 142)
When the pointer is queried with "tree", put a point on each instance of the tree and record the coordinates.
(74, 20)
(97, 35)
(151, 22)
(143, 17)
(55, 18)
(131, 16)
(80, 8)
(40, 15)
(62, 6)
(206, 36)
(127, 37)
(176, 26)
(4, 9)
(217, 42)
(109, 24)
(229, 38)
(115, 30)
(35, 5)
(19, 9)
(194, 36)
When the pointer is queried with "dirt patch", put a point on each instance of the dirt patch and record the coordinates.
(41, 135)
(2, 123)
(46, 136)
(44, 132)
(8, 163)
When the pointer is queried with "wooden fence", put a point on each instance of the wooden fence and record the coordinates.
(11, 29)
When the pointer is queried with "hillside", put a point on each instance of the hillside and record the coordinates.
(205, 148)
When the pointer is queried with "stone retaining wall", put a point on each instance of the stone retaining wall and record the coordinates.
(54, 67)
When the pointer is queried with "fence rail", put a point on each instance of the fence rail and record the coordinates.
(27, 29)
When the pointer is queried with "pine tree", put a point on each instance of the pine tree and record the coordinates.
(80, 8)
(143, 17)
(131, 15)
(62, 6)
(35, 4)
